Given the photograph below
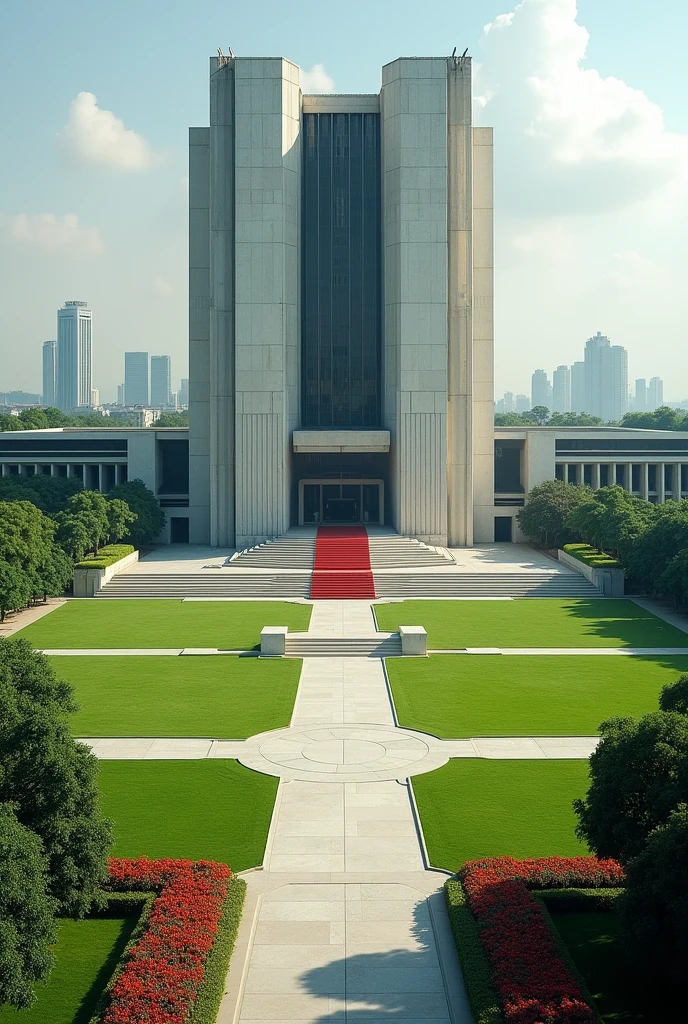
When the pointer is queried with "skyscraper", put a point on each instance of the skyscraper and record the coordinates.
(606, 379)
(561, 389)
(160, 381)
(578, 387)
(307, 363)
(540, 390)
(120, 394)
(184, 393)
(136, 378)
(655, 393)
(49, 373)
(74, 356)
(522, 403)
(640, 399)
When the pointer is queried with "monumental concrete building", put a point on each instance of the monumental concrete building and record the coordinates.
(341, 297)
(74, 356)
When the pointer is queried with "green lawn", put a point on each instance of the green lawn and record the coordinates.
(203, 810)
(456, 695)
(532, 622)
(220, 697)
(477, 808)
(86, 955)
(592, 939)
(137, 622)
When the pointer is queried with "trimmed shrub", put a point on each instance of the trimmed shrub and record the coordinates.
(477, 976)
(212, 989)
(106, 557)
(592, 556)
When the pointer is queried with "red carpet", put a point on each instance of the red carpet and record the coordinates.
(342, 564)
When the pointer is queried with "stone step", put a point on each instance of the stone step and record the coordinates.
(386, 646)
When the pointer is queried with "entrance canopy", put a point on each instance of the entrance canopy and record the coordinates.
(340, 440)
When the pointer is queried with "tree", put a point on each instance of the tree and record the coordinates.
(540, 413)
(72, 535)
(544, 517)
(573, 419)
(663, 538)
(49, 493)
(53, 577)
(674, 696)
(15, 589)
(653, 909)
(27, 913)
(91, 508)
(673, 580)
(172, 419)
(150, 519)
(50, 778)
(638, 775)
(120, 518)
(26, 535)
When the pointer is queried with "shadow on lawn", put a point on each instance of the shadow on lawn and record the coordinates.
(623, 620)
(90, 1001)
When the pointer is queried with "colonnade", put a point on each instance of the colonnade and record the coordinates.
(669, 479)
(96, 476)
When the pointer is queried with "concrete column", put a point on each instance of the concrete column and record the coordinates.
(661, 490)
(222, 325)
(69, 469)
(645, 481)
(595, 481)
(101, 475)
(459, 305)
(565, 472)
(612, 474)
(483, 336)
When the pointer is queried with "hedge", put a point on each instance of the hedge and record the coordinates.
(475, 967)
(592, 556)
(211, 991)
(123, 904)
(107, 556)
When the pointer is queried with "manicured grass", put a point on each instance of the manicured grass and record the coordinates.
(136, 622)
(593, 940)
(203, 810)
(478, 808)
(220, 697)
(457, 695)
(86, 954)
(532, 622)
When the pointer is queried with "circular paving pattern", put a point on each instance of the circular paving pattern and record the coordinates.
(340, 753)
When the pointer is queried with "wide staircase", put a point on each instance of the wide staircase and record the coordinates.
(485, 585)
(390, 551)
(293, 551)
(304, 646)
(213, 584)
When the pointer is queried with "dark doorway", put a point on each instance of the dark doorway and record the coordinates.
(340, 510)
(179, 530)
(503, 529)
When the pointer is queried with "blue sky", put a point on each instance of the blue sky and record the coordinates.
(590, 221)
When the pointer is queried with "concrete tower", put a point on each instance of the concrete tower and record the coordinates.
(74, 356)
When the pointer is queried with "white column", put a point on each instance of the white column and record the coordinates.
(661, 490)
(101, 475)
(565, 472)
(595, 480)
(645, 481)
(612, 474)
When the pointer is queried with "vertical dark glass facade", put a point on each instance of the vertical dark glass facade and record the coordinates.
(341, 304)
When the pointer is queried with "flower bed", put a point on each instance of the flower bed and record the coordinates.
(532, 980)
(160, 981)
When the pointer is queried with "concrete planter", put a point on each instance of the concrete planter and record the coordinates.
(87, 582)
(609, 581)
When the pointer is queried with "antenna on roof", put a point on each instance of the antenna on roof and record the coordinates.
(221, 59)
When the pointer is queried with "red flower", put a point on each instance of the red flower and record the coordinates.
(531, 978)
(159, 982)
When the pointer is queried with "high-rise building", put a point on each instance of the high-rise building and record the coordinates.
(655, 393)
(606, 379)
(540, 390)
(508, 401)
(135, 378)
(640, 397)
(578, 387)
(561, 389)
(49, 373)
(74, 356)
(120, 394)
(522, 403)
(183, 396)
(160, 381)
(95, 397)
(299, 383)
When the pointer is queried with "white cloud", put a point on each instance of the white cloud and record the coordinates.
(96, 136)
(577, 141)
(316, 80)
(51, 233)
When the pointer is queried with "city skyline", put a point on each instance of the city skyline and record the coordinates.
(86, 212)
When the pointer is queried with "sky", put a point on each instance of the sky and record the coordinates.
(589, 103)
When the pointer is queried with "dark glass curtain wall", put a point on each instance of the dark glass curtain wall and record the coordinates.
(341, 333)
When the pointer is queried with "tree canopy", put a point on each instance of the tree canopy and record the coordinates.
(545, 517)
(150, 519)
(49, 778)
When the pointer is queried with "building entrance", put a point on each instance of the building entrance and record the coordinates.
(349, 501)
